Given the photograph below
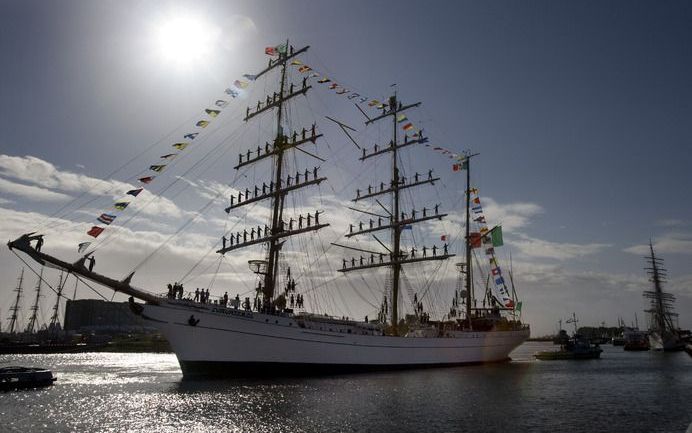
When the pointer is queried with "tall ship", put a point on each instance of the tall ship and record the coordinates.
(664, 333)
(272, 331)
(37, 337)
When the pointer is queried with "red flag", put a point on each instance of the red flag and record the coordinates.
(408, 127)
(147, 179)
(475, 240)
(271, 51)
(443, 238)
(95, 231)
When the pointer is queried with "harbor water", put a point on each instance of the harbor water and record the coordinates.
(117, 392)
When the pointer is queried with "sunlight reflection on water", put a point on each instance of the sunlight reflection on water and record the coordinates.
(114, 392)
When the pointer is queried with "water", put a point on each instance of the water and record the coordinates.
(113, 392)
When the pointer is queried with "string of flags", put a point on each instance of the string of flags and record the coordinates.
(489, 239)
(106, 219)
(406, 125)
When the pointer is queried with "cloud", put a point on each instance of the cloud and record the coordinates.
(46, 177)
(512, 216)
(210, 189)
(31, 192)
(4, 201)
(537, 248)
(672, 243)
(39, 172)
(672, 222)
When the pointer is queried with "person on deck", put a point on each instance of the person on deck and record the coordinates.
(197, 294)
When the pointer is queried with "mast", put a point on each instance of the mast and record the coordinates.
(15, 307)
(277, 202)
(469, 296)
(273, 234)
(396, 233)
(397, 219)
(34, 308)
(54, 320)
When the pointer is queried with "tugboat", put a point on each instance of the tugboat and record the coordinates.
(576, 347)
(13, 378)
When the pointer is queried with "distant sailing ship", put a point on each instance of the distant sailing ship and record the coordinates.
(664, 333)
(269, 337)
(35, 338)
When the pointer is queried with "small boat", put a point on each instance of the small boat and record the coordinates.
(635, 340)
(575, 347)
(618, 341)
(12, 378)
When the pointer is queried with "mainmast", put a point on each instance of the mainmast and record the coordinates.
(280, 185)
(397, 219)
(15, 308)
(34, 308)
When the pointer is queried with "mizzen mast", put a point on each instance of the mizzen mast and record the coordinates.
(396, 220)
(273, 234)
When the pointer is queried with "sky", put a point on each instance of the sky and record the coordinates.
(579, 110)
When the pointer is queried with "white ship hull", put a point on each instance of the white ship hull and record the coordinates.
(232, 342)
(665, 341)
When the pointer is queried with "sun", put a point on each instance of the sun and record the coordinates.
(185, 39)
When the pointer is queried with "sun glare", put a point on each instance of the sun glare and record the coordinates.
(183, 40)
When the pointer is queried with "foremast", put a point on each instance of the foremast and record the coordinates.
(397, 219)
(275, 233)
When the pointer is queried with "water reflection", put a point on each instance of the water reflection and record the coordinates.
(637, 392)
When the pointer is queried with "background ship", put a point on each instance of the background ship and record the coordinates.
(664, 334)
(49, 338)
